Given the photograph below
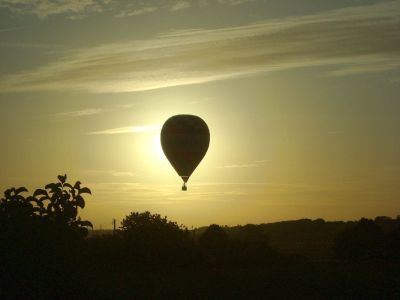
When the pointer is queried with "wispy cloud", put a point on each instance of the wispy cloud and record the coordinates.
(94, 111)
(180, 5)
(80, 113)
(360, 66)
(345, 38)
(139, 8)
(78, 9)
(29, 45)
(137, 11)
(254, 164)
(45, 8)
(234, 2)
(128, 129)
(210, 191)
(113, 173)
(234, 166)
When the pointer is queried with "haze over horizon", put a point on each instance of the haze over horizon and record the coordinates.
(301, 98)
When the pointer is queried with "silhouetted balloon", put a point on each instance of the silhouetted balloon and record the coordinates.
(185, 140)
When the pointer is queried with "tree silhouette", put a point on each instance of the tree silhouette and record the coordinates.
(14, 206)
(362, 242)
(41, 239)
(57, 203)
(64, 202)
(394, 244)
(251, 246)
(152, 239)
(215, 245)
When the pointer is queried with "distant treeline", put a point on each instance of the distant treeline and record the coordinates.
(314, 239)
(46, 252)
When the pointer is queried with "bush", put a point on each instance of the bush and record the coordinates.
(56, 204)
(154, 240)
(40, 239)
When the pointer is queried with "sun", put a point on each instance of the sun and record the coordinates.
(156, 147)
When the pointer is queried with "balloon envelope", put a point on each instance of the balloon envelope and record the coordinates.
(185, 140)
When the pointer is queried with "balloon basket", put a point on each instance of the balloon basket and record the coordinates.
(184, 187)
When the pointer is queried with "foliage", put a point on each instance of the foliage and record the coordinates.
(41, 239)
(251, 246)
(394, 244)
(57, 203)
(214, 238)
(215, 245)
(152, 239)
(364, 241)
(152, 257)
(45, 256)
(247, 246)
(139, 222)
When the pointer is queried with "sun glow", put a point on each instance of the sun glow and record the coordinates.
(156, 147)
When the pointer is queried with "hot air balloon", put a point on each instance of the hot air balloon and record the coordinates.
(185, 140)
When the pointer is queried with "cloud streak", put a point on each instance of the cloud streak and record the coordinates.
(254, 164)
(112, 173)
(137, 11)
(180, 5)
(234, 2)
(80, 113)
(78, 9)
(235, 166)
(128, 129)
(45, 8)
(353, 40)
(30, 45)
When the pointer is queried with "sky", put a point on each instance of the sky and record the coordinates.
(301, 98)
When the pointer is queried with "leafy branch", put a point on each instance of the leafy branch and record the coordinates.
(57, 202)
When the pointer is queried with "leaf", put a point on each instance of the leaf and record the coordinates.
(41, 199)
(77, 185)
(49, 185)
(31, 199)
(7, 192)
(54, 198)
(62, 178)
(80, 201)
(40, 192)
(40, 203)
(85, 190)
(20, 190)
(68, 185)
(52, 186)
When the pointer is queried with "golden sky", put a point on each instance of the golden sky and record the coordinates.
(301, 98)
